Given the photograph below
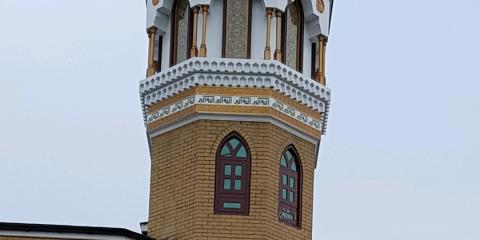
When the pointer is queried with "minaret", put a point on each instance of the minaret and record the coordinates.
(235, 105)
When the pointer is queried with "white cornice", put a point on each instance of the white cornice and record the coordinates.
(228, 73)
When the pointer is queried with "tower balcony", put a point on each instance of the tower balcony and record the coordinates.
(235, 89)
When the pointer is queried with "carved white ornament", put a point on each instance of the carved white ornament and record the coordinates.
(250, 101)
(227, 73)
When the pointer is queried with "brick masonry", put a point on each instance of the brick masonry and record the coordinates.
(183, 183)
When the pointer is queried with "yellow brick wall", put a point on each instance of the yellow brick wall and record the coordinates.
(183, 180)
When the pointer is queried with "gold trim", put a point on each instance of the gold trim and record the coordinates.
(320, 75)
(194, 50)
(151, 51)
(267, 53)
(278, 51)
(203, 46)
(320, 6)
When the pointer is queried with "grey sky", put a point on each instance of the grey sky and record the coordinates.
(399, 160)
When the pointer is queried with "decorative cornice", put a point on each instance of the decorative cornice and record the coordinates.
(235, 73)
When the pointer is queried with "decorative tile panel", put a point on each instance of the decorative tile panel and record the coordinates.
(236, 29)
(182, 21)
(292, 39)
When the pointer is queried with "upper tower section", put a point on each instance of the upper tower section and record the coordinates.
(284, 30)
(271, 44)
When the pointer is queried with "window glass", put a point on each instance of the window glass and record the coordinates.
(234, 142)
(238, 170)
(292, 183)
(238, 185)
(284, 179)
(283, 162)
(242, 153)
(227, 184)
(231, 205)
(293, 166)
(225, 151)
(228, 170)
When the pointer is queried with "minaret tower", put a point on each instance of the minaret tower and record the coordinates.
(235, 104)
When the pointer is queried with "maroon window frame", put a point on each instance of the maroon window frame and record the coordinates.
(290, 187)
(232, 176)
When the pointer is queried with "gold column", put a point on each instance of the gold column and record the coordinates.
(203, 46)
(322, 45)
(267, 53)
(151, 51)
(194, 50)
(278, 52)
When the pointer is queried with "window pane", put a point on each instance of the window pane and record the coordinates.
(287, 216)
(293, 166)
(236, 30)
(234, 142)
(227, 184)
(290, 197)
(283, 162)
(238, 171)
(238, 184)
(284, 180)
(182, 15)
(292, 183)
(288, 155)
(284, 194)
(242, 153)
(225, 151)
(231, 205)
(228, 170)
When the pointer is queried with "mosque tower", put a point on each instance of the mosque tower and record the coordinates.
(235, 104)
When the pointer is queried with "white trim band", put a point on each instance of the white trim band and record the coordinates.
(250, 101)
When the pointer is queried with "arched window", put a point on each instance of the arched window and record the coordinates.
(289, 193)
(232, 187)
(292, 42)
(237, 20)
(181, 31)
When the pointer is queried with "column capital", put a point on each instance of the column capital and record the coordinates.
(196, 9)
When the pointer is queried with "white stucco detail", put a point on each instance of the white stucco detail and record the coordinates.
(245, 101)
(235, 73)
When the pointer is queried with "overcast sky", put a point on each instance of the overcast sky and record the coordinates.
(400, 159)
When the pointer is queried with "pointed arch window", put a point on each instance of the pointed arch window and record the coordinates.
(181, 31)
(289, 193)
(292, 42)
(237, 20)
(232, 183)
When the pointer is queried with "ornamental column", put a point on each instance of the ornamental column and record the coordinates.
(322, 45)
(203, 45)
(151, 51)
(278, 52)
(267, 53)
(194, 50)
